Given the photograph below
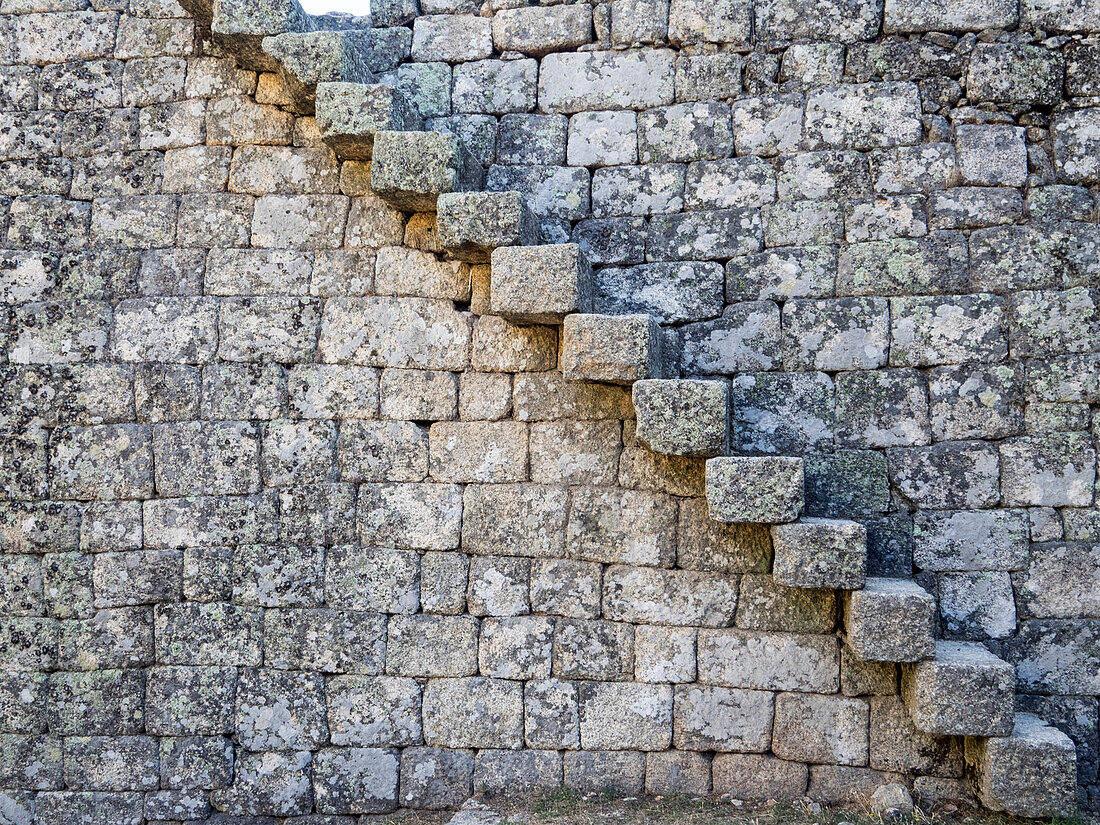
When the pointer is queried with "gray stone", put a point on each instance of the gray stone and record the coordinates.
(540, 30)
(658, 188)
(977, 605)
(473, 224)
(625, 716)
(765, 490)
(612, 349)
(1054, 470)
(863, 117)
(937, 15)
(890, 620)
(769, 661)
(839, 334)
(980, 540)
(746, 338)
(435, 778)
(786, 412)
(683, 417)
(1075, 146)
(954, 475)
(268, 784)
(373, 711)
(668, 292)
(830, 553)
(758, 778)
(897, 745)
(965, 690)
(882, 408)
(1060, 580)
(778, 21)
(551, 716)
(540, 284)
(476, 711)
(709, 21)
(705, 235)
(411, 169)
(425, 645)
(811, 728)
(1029, 772)
(722, 719)
(586, 81)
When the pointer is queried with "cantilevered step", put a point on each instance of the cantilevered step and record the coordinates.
(820, 553)
(472, 224)
(890, 620)
(242, 27)
(964, 691)
(688, 417)
(1031, 773)
(614, 349)
(411, 170)
(308, 58)
(764, 490)
(349, 115)
(540, 284)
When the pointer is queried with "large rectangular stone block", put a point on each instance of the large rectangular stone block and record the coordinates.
(769, 661)
(890, 620)
(965, 690)
(606, 80)
(625, 716)
(765, 490)
(812, 728)
(722, 719)
(540, 284)
(864, 116)
(638, 594)
(622, 526)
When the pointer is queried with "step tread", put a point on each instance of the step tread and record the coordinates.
(890, 620)
(756, 489)
(683, 416)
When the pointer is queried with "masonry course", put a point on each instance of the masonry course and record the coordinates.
(673, 397)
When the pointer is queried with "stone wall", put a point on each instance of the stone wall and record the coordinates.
(294, 521)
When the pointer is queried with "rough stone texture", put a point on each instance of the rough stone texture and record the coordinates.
(765, 490)
(965, 690)
(890, 620)
(683, 417)
(830, 553)
(295, 524)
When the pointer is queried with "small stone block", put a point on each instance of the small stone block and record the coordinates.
(619, 349)
(765, 490)
(890, 620)
(964, 691)
(540, 284)
(349, 115)
(821, 553)
(411, 169)
(1030, 773)
(472, 224)
(683, 416)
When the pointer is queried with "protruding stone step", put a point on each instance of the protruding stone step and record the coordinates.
(242, 26)
(1030, 773)
(540, 284)
(683, 416)
(412, 169)
(472, 224)
(890, 620)
(349, 115)
(820, 553)
(308, 58)
(964, 691)
(614, 349)
(764, 490)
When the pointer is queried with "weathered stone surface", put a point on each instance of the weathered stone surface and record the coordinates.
(766, 490)
(722, 719)
(830, 553)
(989, 540)
(684, 417)
(864, 116)
(840, 334)
(1054, 470)
(605, 80)
(625, 716)
(965, 690)
(811, 728)
(1030, 772)
(540, 284)
(758, 778)
(949, 476)
(769, 661)
(618, 350)
(890, 620)
(936, 15)
(1075, 145)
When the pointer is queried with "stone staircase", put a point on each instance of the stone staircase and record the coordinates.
(949, 688)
